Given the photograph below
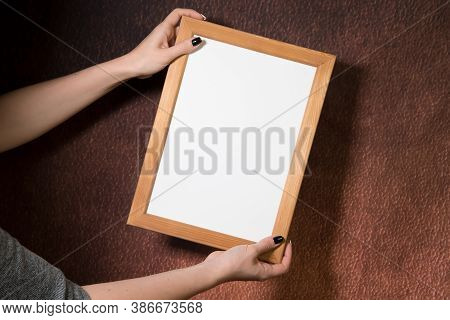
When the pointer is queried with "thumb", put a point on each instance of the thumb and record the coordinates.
(184, 47)
(267, 244)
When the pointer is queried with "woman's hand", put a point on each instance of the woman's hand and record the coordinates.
(30, 112)
(158, 49)
(238, 263)
(242, 263)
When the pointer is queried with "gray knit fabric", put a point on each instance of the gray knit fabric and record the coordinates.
(24, 275)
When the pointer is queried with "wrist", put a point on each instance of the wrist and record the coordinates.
(130, 65)
(134, 65)
(121, 68)
(215, 274)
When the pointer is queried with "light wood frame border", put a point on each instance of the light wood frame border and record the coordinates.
(189, 27)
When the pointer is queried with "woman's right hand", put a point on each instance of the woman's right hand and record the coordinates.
(158, 49)
(242, 263)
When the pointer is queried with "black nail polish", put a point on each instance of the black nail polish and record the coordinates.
(278, 239)
(196, 41)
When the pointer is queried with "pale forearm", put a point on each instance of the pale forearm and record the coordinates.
(176, 284)
(238, 263)
(29, 112)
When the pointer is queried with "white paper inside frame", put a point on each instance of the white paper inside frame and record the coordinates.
(225, 91)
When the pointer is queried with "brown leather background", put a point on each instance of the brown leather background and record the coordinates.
(373, 219)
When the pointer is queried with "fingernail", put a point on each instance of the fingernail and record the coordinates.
(278, 239)
(196, 41)
(204, 18)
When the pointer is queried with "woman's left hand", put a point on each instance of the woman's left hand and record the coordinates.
(242, 263)
(158, 49)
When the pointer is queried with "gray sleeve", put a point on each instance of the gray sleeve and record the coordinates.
(24, 275)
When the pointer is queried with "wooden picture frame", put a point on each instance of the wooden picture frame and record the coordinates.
(324, 63)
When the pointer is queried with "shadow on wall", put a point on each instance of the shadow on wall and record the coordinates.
(312, 232)
(318, 209)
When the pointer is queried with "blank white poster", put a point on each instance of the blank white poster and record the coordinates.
(231, 140)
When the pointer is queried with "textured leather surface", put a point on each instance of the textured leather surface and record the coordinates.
(372, 219)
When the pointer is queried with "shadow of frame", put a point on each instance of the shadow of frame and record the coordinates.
(312, 233)
(311, 273)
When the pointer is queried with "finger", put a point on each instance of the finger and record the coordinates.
(267, 244)
(174, 17)
(273, 270)
(213, 255)
(184, 47)
(287, 258)
(174, 37)
(165, 44)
